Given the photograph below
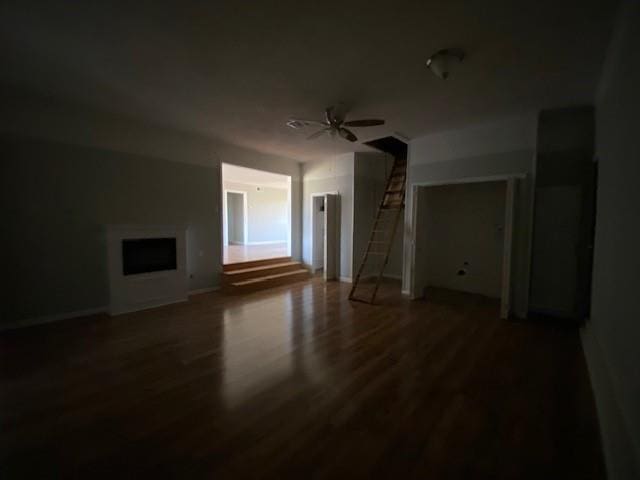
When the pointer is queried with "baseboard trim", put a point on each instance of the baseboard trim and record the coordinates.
(392, 277)
(198, 291)
(384, 275)
(346, 279)
(268, 242)
(622, 458)
(31, 322)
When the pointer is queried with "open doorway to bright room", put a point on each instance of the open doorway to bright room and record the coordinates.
(256, 215)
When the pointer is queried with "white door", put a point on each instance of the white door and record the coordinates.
(317, 240)
(330, 236)
(554, 274)
(505, 300)
(418, 267)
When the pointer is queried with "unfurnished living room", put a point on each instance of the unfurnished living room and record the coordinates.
(320, 239)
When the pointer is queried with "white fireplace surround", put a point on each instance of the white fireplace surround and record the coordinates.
(128, 293)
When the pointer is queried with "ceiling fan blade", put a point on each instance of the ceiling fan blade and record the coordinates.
(328, 115)
(369, 122)
(347, 135)
(318, 133)
(300, 123)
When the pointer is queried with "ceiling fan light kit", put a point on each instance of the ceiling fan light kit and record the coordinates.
(441, 62)
(334, 124)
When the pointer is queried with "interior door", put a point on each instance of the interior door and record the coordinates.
(564, 222)
(586, 239)
(505, 300)
(555, 266)
(418, 272)
(330, 237)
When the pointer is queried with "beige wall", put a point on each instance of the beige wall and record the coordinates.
(612, 336)
(505, 147)
(67, 170)
(267, 212)
(371, 170)
(58, 200)
(332, 174)
(464, 230)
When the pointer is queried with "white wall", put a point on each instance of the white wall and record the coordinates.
(464, 227)
(371, 170)
(560, 264)
(57, 201)
(612, 337)
(59, 120)
(267, 212)
(334, 174)
(502, 147)
(66, 146)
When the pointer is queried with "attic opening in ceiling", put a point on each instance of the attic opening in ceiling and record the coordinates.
(390, 145)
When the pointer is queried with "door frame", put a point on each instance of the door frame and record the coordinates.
(245, 215)
(312, 219)
(507, 255)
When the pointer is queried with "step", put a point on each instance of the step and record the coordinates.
(230, 267)
(262, 271)
(268, 281)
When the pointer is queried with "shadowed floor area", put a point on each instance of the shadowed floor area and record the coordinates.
(298, 382)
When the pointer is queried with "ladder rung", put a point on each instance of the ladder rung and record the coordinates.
(396, 183)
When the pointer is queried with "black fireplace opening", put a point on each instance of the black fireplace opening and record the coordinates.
(144, 255)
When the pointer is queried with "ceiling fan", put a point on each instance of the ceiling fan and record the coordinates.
(334, 124)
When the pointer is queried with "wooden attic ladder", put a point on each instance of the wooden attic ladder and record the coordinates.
(378, 249)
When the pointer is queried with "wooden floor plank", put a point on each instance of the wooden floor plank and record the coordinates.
(298, 382)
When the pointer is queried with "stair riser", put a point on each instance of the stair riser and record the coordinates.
(254, 263)
(240, 277)
(275, 282)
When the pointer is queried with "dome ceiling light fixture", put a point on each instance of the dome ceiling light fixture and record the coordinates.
(441, 62)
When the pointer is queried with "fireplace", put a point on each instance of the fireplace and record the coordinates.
(144, 255)
(147, 266)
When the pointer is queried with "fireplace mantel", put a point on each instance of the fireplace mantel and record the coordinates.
(128, 293)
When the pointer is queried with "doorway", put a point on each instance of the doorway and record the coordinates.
(325, 234)
(236, 217)
(256, 215)
(318, 233)
(463, 238)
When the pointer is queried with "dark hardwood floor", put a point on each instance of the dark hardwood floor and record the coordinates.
(297, 382)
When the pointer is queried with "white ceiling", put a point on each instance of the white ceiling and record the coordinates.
(249, 176)
(236, 71)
